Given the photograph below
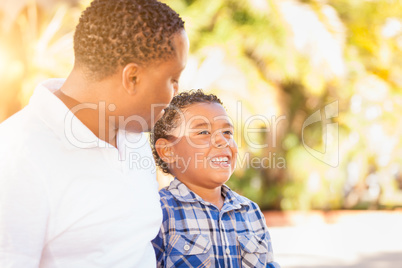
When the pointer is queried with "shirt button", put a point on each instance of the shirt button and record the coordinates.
(227, 251)
(186, 247)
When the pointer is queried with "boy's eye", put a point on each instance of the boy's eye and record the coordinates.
(204, 132)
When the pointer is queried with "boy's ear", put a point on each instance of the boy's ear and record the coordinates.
(130, 77)
(165, 151)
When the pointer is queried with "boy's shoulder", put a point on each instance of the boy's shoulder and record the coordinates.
(165, 193)
(177, 190)
(240, 198)
(176, 194)
(171, 199)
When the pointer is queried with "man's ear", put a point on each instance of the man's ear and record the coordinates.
(130, 77)
(164, 148)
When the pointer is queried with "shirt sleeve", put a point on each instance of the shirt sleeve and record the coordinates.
(159, 242)
(273, 265)
(159, 248)
(24, 211)
(260, 215)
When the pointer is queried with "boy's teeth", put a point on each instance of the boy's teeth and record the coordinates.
(220, 159)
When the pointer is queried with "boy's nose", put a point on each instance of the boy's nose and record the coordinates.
(220, 140)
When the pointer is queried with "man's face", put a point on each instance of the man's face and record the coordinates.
(203, 149)
(157, 85)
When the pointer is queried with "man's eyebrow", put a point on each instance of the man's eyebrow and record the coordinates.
(201, 125)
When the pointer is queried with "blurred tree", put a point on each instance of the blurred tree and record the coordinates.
(292, 58)
(275, 64)
(36, 43)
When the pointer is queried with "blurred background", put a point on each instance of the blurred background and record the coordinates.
(314, 91)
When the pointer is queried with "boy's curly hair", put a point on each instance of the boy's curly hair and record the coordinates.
(114, 33)
(171, 118)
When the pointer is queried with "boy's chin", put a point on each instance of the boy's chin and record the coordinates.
(210, 180)
(220, 180)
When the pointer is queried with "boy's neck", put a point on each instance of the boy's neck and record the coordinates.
(213, 196)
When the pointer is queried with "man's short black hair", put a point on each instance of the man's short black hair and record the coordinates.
(113, 33)
(171, 118)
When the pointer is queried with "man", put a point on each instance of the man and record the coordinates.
(76, 185)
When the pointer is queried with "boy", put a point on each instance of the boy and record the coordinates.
(205, 224)
(71, 194)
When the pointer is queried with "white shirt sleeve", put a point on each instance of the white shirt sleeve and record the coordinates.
(24, 211)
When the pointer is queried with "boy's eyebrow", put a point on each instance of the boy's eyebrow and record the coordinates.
(228, 125)
(204, 124)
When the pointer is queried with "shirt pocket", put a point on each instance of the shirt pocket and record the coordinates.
(254, 251)
(189, 250)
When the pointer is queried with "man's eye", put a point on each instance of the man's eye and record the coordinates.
(204, 132)
(228, 132)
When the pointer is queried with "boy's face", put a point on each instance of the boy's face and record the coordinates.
(156, 84)
(204, 151)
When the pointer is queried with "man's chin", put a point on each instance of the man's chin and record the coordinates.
(143, 125)
(157, 117)
(136, 127)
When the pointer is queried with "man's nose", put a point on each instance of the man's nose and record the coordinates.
(175, 89)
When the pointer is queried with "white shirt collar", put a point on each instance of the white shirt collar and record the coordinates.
(72, 132)
(59, 118)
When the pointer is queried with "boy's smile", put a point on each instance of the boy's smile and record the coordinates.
(220, 161)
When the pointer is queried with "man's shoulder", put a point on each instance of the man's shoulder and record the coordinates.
(15, 131)
(14, 122)
(24, 129)
(26, 141)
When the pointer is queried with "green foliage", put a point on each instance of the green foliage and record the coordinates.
(278, 58)
(302, 78)
(36, 43)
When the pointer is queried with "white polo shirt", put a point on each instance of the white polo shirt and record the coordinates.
(70, 200)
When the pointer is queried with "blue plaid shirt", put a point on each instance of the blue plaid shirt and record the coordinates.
(195, 233)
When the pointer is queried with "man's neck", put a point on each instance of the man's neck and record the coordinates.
(78, 95)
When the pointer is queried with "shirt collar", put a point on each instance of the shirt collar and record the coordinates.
(182, 193)
(59, 118)
(71, 131)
